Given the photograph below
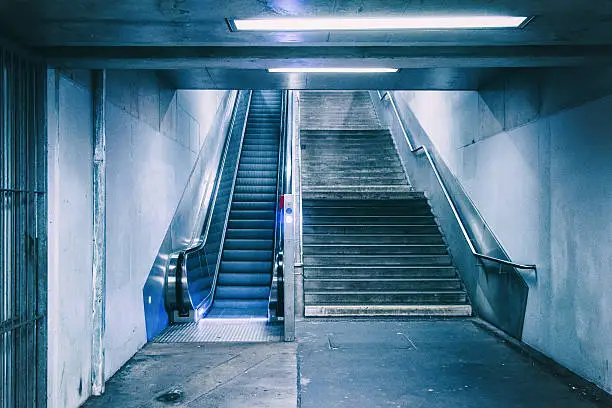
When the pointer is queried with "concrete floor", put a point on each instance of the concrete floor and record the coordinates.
(205, 375)
(421, 363)
(345, 363)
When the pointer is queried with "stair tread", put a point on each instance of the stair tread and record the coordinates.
(306, 267)
(383, 279)
(375, 245)
(369, 310)
(384, 292)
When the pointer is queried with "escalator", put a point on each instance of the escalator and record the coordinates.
(228, 272)
(245, 272)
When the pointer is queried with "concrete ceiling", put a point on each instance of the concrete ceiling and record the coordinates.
(190, 41)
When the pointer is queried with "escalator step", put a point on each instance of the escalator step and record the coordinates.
(261, 304)
(263, 141)
(261, 233)
(244, 279)
(255, 181)
(262, 111)
(264, 126)
(251, 224)
(252, 214)
(268, 175)
(258, 141)
(257, 147)
(246, 267)
(255, 197)
(270, 139)
(258, 167)
(242, 292)
(270, 134)
(260, 153)
(247, 255)
(254, 206)
(242, 189)
(260, 160)
(264, 121)
(249, 244)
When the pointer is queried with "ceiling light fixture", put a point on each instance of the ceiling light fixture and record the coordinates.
(334, 70)
(391, 23)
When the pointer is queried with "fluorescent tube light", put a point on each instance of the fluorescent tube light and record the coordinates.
(392, 23)
(334, 70)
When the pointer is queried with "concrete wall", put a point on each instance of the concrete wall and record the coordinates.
(70, 240)
(153, 136)
(539, 173)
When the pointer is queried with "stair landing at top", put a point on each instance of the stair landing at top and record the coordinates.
(337, 110)
(344, 148)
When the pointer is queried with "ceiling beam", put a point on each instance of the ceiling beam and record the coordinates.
(190, 57)
(413, 79)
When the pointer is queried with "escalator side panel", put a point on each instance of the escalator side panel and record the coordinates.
(202, 261)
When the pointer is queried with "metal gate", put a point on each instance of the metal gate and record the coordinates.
(23, 232)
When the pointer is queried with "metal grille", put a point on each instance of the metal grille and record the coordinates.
(22, 232)
(221, 331)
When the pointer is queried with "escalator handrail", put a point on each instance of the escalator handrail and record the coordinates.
(176, 293)
(450, 201)
(208, 218)
(199, 245)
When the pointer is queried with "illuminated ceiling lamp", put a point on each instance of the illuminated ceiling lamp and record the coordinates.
(380, 23)
(334, 70)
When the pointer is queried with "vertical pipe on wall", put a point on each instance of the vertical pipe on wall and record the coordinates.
(99, 231)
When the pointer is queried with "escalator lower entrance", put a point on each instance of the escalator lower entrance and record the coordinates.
(241, 303)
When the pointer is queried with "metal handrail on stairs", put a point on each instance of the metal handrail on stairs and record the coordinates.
(424, 149)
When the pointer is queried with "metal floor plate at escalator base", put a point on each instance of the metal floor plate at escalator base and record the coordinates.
(221, 331)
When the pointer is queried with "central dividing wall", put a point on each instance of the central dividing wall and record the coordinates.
(534, 153)
(153, 136)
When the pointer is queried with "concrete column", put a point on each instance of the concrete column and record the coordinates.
(288, 269)
(294, 124)
(99, 232)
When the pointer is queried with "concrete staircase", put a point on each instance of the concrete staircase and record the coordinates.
(371, 244)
